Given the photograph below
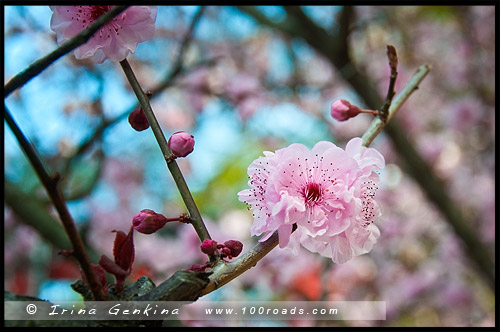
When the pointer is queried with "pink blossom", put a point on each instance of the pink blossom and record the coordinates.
(114, 40)
(242, 86)
(327, 192)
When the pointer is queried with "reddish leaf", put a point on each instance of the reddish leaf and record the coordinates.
(123, 249)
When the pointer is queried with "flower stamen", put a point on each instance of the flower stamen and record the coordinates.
(312, 193)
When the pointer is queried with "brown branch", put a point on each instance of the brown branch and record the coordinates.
(393, 64)
(50, 184)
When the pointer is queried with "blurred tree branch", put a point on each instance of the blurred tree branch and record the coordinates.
(334, 47)
(33, 212)
(50, 183)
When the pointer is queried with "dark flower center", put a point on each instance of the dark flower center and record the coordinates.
(97, 11)
(312, 193)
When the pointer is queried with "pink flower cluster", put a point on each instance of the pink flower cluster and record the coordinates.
(327, 192)
(114, 40)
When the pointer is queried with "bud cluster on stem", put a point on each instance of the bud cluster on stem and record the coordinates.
(229, 249)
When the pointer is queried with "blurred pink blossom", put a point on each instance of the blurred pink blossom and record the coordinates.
(172, 115)
(114, 40)
(464, 114)
(327, 192)
(248, 106)
(242, 86)
(197, 88)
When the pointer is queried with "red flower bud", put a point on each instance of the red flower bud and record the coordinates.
(234, 246)
(208, 246)
(181, 143)
(342, 110)
(147, 221)
(138, 120)
(225, 252)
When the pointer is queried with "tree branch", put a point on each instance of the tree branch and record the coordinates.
(50, 184)
(378, 124)
(41, 64)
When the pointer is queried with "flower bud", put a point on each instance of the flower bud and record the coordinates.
(208, 246)
(234, 246)
(138, 120)
(225, 252)
(342, 110)
(181, 143)
(147, 221)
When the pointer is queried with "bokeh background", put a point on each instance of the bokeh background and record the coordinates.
(242, 81)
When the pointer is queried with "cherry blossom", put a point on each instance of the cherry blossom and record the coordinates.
(327, 192)
(114, 40)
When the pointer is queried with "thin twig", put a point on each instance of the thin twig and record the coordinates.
(176, 68)
(174, 169)
(50, 184)
(41, 64)
(378, 124)
(393, 64)
(224, 272)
